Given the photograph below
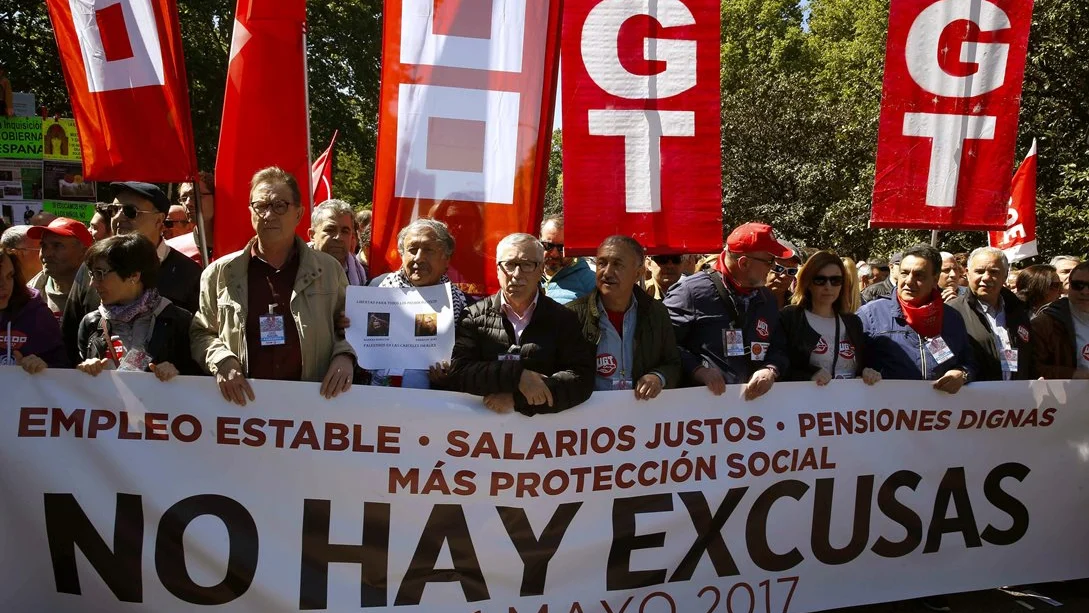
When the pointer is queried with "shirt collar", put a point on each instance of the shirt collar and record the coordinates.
(163, 250)
(508, 309)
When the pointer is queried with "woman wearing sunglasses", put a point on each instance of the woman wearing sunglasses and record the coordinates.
(134, 329)
(824, 336)
(1038, 286)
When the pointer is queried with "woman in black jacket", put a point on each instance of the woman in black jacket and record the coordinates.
(135, 329)
(825, 340)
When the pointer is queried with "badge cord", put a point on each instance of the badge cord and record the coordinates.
(835, 348)
(7, 344)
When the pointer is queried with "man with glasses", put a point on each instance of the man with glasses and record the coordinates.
(726, 322)
(176, 223)
(1062, 331)
(519, 349)
(886, 286)
(99, 226)
(665, 271)
(565, 278)
(783, 274)
(998, 324)
(268, 310)
(189, 243)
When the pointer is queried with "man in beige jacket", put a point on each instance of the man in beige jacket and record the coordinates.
(268, 311)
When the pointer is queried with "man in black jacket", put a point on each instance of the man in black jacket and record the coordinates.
(999, 325)
(887, 286)
(137, 207)
(520, 349)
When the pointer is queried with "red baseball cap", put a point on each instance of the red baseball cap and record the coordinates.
(63, 226)
(756, 237)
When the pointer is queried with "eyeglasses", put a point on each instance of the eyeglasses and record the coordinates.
(262, 206)
(99, 274)
(130, 210)
(189, 196)
(1078, 286)
(550, 246)
(834, 280)
(169, 223)
(667, 259)
(509, 266)
(780, 269)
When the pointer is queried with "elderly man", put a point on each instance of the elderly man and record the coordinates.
(63, 243)
(1062, 331)
(725, 320)
(26, 249)
(998, 324)
(949, 279)
(99, 226)
(332, 231)
(137, 208)
(912, 334)
(634, 338)
(268, 311)
(426, 247)
(565, 278)
(665, 271)
(519, 349)
(887, 285)
(176, 223)
(1064, 264)
(189, 242)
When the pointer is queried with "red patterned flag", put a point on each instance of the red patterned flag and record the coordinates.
(465, 125)
(953, 76)
(322, 174)
(265, 117)
(125, 72)
(1018, 240)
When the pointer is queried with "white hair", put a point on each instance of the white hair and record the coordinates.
(947, 256)
(1055, 261)
(334, 208)
(991, 251)
(519, 238)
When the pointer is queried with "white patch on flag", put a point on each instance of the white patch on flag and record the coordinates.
(502, 53)
(145, 66)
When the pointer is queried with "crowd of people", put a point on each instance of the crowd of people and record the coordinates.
(129, 291)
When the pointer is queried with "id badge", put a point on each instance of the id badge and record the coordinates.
(621, 384)
(939, 350)
(759, 351)
(1009, 360)
(509, 357)
(272, 330)
(734, 342)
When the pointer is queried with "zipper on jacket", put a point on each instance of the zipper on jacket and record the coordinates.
(922, 357)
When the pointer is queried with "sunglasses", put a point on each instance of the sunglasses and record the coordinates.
(169, 223)
(130, 210)
(780, 269)
(834, 280)
(550, 246)
(667, 259)
(1078, 286)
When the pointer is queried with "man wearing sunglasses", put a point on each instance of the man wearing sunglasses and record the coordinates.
(783, 274)
(887, 285)
(189, 242)
(518, 349)
(176, 223)
(140, 208)
(665, 271)
(1062, 331)
(565, 279)
(998, 324)
(725, 320)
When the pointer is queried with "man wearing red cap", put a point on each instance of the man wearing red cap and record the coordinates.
(726, 321)
(63, 243)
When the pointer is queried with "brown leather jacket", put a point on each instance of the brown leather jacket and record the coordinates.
(1056, 356)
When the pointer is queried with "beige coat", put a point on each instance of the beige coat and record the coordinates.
(219, 326)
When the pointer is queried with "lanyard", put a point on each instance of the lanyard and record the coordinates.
(8, 344)
(835, 348)
(109, 344)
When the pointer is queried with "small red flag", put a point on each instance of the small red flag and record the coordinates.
(265, 119)
(322, 174)
(1019, 238)
(125, 73)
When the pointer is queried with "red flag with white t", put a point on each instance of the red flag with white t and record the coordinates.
(1018, 240)
(322, 174)
(125, 72)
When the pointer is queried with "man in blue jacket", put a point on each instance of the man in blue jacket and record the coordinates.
(565, 279)
(725, 320)
(912, 334)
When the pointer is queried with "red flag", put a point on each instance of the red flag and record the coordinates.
(322, 174)
(265, 120)
(125, 72)
(1019, 238)
(952, 90)
(466, 123)
(641, 125)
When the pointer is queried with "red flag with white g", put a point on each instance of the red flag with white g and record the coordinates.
(952, 91)
(1018, 240)
(125, 72)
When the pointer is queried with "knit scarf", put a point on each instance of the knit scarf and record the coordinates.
(143, 305)
(720, 265)
(398, 279)
(357, 275)
(926, 319)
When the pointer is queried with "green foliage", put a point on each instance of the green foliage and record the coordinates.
(554, 186)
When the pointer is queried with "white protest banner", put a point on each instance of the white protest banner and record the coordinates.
(400, 328)
(123, 493)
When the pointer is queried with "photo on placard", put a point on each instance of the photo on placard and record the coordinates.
(64, 181)
(427, 324)
(377, 324)
(20, 212)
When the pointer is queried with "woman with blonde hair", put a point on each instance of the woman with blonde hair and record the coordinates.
(824, 336)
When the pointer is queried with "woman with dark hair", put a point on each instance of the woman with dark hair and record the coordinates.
(135, 328)
(1038, 286)
(29, 334)
(824, 336)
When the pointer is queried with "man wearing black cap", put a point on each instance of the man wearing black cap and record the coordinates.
(887, 286)
(142, 208)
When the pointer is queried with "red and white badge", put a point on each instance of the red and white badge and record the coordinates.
(606, 364)
(1023, 332)
(118, 348)
(821, 348)
(762, 328)
(846, 350)
(1085, 353)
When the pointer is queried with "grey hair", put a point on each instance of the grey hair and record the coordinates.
(627, 241)
(519, 238)
(14, 237)
(333, 207)
(439, 228)
(998, 253)
(556, 220)
(1064, 258)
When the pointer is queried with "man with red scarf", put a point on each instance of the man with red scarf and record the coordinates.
(725, 320)
(912, 334)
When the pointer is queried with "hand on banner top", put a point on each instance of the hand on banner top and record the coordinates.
(641, 93)
(953, 77)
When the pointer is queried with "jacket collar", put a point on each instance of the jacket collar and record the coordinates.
(309, 266)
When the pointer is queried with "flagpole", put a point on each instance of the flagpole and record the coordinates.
(306, 91)
(202, 243)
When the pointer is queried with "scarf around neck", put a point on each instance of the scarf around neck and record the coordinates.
(143, 305)
(728, 278)
(926, 319)
(397, 279)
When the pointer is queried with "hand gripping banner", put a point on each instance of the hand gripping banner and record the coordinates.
(641, 143)
(953, 76)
